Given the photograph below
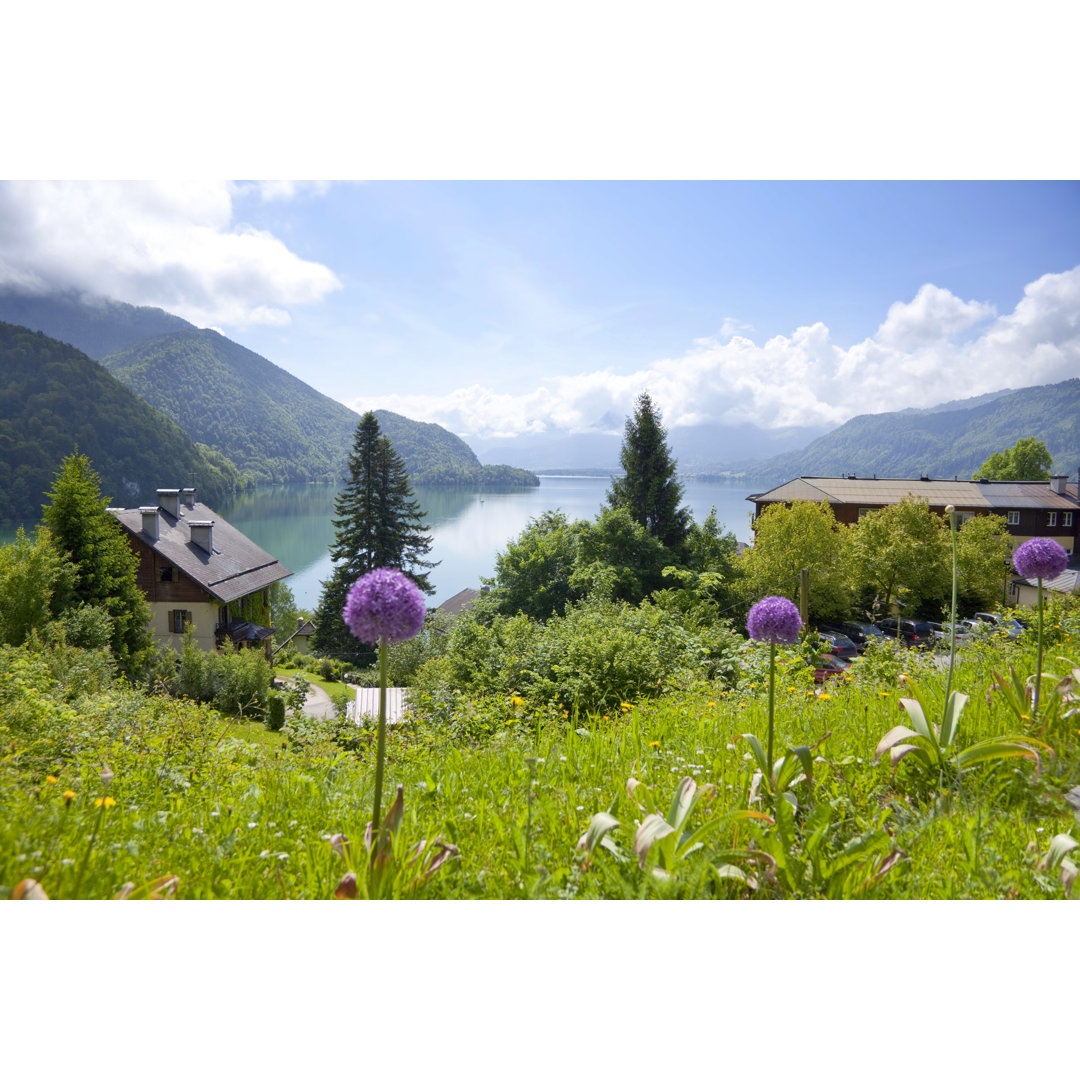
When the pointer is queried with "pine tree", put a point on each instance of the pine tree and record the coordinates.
(649, 489)
(106, 566)
(377, 523)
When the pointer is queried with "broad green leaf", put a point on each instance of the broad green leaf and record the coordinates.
(757, 751)
(1060, 846)
(898, 753)
(682, 803)
(953, 708)
(918, 718)
(728, 872)
(892, 737)
(653, 828)
(599, 825)
(992, 750)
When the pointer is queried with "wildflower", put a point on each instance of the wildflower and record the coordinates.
(1040, 557)
(384, 604)
(655, 742)
(68, 796)
(51, 780)
(824, 697)
(626, 706)
(775, 620)
(517, 701)
(107, 801)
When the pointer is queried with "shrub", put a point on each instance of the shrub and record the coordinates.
(275, 710)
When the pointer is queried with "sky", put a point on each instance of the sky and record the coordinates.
(499, 308)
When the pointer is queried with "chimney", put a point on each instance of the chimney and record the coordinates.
(169, 501)
(1057, 484)
(189, 498)
(202, 535)
(149, 521)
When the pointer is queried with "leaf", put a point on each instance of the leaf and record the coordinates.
(682, 803)
(599, 825)
(918, 718)
(346, 888)
(757, 751)
(396, 814)
(898, 753)
(653, 828)
(632, 788)
(953, 708)
(1060, 846)
(993, 750)
(891, 737)
(29, 889)
(729, 872)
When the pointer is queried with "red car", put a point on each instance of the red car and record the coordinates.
(825, 667)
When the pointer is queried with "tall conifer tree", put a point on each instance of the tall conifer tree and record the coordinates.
(378, 523)
(649, 489)
(105, 563)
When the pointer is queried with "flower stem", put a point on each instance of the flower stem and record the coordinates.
(1038, 661)
(772, 701)
(952, 618)
(380, 748)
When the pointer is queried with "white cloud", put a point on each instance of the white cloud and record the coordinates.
(913, 360)
(933, 315)
(172, 245)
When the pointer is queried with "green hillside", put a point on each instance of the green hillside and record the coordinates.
(939, 442)
(53, 398)
(93, 324)
(273, 426)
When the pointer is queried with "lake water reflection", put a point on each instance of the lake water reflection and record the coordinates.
(468, 528)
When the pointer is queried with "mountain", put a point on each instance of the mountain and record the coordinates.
(938, 442)
(54, 399)
(271, 425)
(704, 448)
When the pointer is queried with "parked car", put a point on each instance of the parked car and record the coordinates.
(910, 631)
(832, 641)
(860, 633)
(1012, 627)
(942, 632)
(828, 666)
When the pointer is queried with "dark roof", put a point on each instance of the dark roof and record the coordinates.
(237, 566)
(1068, 581)
(242, 630)
(459, 601)
(963, 494)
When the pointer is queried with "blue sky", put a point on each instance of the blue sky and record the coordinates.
(499, 308)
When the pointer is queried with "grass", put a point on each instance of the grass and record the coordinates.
(230, 813)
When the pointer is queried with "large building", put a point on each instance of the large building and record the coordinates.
(1030, 508)
(197, 570)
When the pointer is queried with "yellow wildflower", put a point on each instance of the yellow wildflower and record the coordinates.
(824, 697)
(515, 700)
(51, 780)
(625, 706)
(106, 802)
(69, 795)
(655, 742)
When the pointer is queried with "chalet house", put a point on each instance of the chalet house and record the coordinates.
(197, 570)
(1030, 508)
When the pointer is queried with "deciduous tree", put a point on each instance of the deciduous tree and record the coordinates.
(1028, 459)
(788, 538)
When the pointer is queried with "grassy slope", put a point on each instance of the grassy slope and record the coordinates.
(233, 819)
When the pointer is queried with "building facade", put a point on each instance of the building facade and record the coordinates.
(197, 571)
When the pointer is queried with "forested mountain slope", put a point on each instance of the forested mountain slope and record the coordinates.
(53, 398)
(939, 442)
(272, 425)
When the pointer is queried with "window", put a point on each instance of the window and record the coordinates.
(166, 573)
(179, 620)
(1012, 517)
(1067, 519)
(965, 516)
(864, 510)
(1051, 518)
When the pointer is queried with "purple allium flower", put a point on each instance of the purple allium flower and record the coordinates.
(774, 619)
(1040, 557)
(384, 603)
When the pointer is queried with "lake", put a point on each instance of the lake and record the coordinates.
(293, 523)
(468, 528)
